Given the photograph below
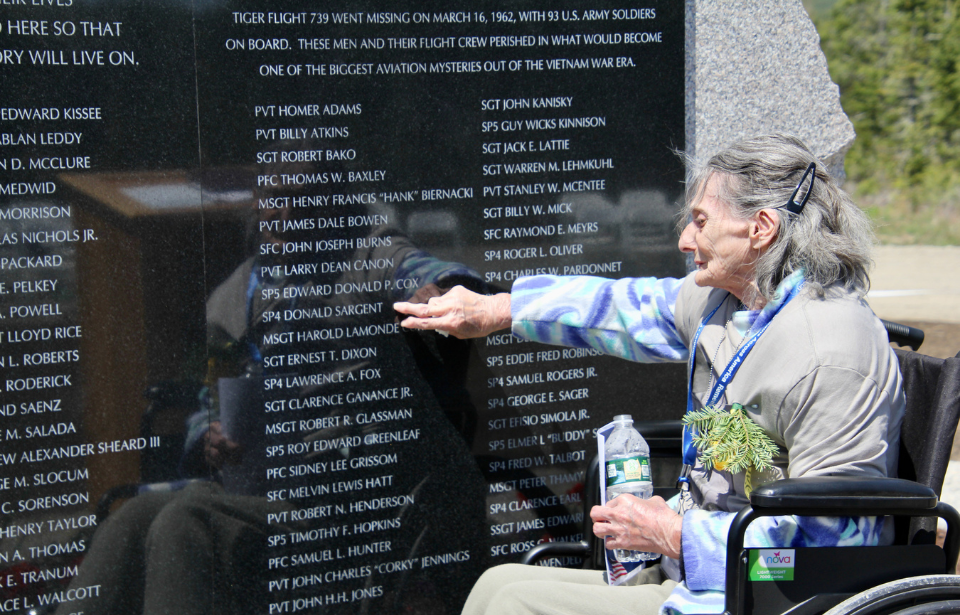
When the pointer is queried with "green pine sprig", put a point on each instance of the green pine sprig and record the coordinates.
(730, 440)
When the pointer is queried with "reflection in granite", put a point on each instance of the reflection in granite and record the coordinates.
(212, 407)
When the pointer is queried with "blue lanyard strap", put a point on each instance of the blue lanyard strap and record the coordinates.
(689, 450)
(252, 286)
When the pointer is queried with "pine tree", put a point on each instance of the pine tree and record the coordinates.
(896, 62)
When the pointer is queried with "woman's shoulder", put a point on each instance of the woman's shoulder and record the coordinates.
(840, 329)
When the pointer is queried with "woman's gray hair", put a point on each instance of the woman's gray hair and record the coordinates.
(830, 239)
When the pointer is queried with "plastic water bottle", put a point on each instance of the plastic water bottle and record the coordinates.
(628, 471)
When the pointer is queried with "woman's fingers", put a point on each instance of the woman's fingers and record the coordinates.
(460, 312)
(628, 522)
(418, 310)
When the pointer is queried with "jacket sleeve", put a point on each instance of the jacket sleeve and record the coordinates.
(632, 318)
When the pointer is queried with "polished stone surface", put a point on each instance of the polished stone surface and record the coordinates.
(223, 227)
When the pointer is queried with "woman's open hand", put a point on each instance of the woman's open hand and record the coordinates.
(459, 312)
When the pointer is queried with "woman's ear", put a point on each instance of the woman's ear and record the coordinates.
(763, 229)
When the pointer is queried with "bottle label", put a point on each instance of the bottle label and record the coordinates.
(628, 470)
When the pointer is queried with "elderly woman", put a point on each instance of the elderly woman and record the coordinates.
(772, 318)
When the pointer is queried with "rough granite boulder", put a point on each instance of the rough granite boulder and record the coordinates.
(755, 67)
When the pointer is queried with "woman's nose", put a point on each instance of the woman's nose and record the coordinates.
(686, 243)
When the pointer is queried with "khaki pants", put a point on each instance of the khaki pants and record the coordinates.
(514, 589)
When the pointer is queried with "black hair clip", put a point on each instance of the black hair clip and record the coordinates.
(792, 206)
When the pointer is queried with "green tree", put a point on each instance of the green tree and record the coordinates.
(896, 62)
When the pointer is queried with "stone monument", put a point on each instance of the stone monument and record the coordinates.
(207, 211)
(757, 67)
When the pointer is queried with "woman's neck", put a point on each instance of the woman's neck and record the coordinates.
(750, 296)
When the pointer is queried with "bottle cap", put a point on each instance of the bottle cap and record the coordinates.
(623, 418)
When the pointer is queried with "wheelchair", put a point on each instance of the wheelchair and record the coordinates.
(913, 576)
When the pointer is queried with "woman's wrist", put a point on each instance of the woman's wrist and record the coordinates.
(503, 317)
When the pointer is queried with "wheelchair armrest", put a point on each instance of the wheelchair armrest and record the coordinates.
(848, 494)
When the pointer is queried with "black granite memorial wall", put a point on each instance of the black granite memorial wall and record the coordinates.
(207, 211)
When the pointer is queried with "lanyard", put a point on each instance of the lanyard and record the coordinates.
(252, 285)
(689, 450)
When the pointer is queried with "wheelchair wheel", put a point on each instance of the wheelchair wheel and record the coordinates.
(933, 594)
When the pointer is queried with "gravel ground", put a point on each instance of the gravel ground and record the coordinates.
(916, 283)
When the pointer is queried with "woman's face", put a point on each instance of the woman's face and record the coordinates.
(720, 244)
